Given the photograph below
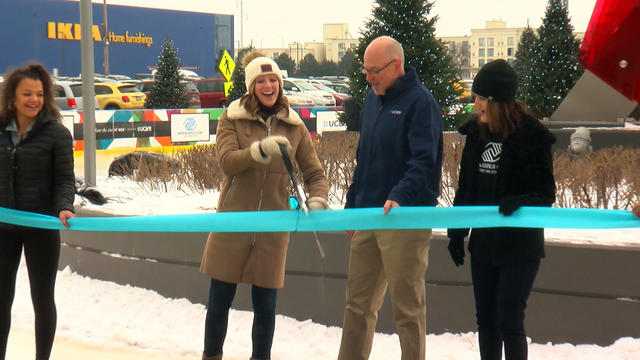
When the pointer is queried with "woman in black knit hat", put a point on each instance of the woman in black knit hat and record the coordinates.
(507, 162)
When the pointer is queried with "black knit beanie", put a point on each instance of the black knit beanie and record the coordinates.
(496, 81)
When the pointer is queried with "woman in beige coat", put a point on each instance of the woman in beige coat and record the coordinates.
(248, 142)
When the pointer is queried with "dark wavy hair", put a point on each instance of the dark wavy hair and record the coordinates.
(13, 77)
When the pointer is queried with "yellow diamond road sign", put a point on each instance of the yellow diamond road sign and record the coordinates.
(227, 88)
(226, 65)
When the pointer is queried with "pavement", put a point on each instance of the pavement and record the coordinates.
(21, 346)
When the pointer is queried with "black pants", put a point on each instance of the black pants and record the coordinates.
(41, 251)
(221, 296)
(501, 294)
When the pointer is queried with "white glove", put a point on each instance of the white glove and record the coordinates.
(271, 145)
(263, 150)
(317, 203)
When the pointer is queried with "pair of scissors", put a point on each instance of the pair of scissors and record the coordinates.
(302, 197)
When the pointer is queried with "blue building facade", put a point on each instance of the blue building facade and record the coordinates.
(48, 31)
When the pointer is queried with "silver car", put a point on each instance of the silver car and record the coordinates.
(68, 97)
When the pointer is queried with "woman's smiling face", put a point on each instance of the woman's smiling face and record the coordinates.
(266, 89)
(29, 98)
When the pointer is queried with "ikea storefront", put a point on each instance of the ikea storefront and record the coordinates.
(48, 31)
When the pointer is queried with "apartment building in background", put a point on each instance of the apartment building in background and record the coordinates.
(336, 40)
(469, 52)
(494, 41)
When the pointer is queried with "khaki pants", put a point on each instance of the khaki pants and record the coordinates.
(380, 258)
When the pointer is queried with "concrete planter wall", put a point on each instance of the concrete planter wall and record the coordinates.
(583, 294)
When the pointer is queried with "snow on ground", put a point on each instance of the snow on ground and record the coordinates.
(110, 316)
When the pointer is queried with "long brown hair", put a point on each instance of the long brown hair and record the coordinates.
(252, 104)
(503, 118)
(13, 77)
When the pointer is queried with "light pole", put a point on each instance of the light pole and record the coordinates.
(241, 23)
(106, 38)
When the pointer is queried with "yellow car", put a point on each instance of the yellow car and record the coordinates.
(119, 96)
(466, 90)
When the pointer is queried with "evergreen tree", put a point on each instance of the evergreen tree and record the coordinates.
(524, 64)
(167, 91)
(326, 67)
(556, 61)
(346, 63)
(308, 66)
(407, 22)
(286, 63)
(239, 88)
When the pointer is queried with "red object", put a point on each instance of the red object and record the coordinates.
(125, 98)
(610, 47)
(72, 103)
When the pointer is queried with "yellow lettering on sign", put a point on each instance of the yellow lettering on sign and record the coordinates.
(51, 30)
(95, 31)
(64, 31)
(70, 31)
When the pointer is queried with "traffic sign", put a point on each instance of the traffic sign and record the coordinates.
(226, 65)
(227, 88)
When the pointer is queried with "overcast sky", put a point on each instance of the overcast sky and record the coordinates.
(279, 22)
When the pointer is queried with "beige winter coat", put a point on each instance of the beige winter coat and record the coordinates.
(249, 185)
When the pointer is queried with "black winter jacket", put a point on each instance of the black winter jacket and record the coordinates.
(37, 174)
(525, 174)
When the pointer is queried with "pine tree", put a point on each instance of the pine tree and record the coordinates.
(286, 63)
(407, 22)
(167, 91)
(524, 64)
(346, 63)
(239, 88)
(309, 66)
(555, 61)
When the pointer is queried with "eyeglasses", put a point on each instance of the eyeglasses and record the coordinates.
(376, 72)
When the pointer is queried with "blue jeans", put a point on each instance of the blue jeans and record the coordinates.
(221, 296)
(501, 293)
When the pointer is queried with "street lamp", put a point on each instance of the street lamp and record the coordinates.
(105, 37)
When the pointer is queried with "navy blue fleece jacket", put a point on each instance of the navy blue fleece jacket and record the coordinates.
(399, 155)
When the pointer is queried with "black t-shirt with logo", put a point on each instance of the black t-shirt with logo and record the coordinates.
(488, 174)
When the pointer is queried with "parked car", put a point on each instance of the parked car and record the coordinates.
(190, 89)
(67, 96)
(116, 95)
(297, 100)
(211, 92)
(339, 98)
(466, 95)
(339, 87)
(302, 86)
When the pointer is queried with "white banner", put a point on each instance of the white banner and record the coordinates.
(328, 121)
(189, 127)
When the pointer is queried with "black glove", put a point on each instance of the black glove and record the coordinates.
(456, 250)
(509, 204)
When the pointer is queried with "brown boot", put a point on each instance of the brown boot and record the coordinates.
(217, 357)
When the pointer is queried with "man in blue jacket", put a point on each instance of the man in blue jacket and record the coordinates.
(399, 161)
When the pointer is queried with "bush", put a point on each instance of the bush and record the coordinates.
(605, 179)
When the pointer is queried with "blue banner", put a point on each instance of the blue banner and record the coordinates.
(338, 220)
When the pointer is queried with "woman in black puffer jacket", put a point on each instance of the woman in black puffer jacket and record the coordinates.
(36, 175)
(507, 162)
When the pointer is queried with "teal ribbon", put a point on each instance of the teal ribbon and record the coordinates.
(337, 220)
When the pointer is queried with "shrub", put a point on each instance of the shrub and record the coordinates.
(605, 179)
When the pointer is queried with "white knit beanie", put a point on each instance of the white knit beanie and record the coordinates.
(261, 66)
